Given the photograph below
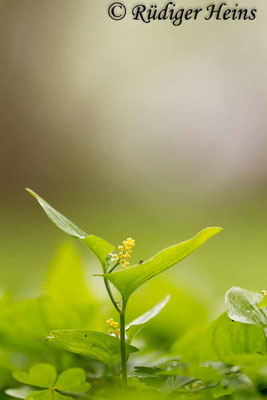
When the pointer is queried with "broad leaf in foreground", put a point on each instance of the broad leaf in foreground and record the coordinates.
(96, 345)
(187, 345)
(242, 305)
(135, 326)
(33, 318)
(128, 280)
(99, 246)
(226, 338)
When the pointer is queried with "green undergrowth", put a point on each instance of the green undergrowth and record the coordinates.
(58, 346)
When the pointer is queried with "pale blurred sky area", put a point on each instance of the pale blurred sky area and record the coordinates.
(131, 127)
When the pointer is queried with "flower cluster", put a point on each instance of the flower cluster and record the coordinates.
(125, 251)
(113, 327)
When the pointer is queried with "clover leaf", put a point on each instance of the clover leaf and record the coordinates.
(40, 375)
(71, 381)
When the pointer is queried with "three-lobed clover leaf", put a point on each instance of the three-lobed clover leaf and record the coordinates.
(97, 345)
(40, 375)
(69, 382)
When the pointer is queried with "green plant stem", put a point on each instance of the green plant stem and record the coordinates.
(122, 344)
(111, 295)
(114, 266)
(121, 312)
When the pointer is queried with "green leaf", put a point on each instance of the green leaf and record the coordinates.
(44, 375)
(40, 375)
(6, 370)
(97, 345)
(241, 305)
(192, 313)
(136, 325)
(237, 381)
(254, 366)
(47, 395)
(73, 381)
(40, 395)
(65, 279)
(67, 285)
(128, 280)
(99, 246)
(19, 393)
(32, 319)
(187, 346)
(226, 338)
(60, 396)
(59, 220)
(204, 373)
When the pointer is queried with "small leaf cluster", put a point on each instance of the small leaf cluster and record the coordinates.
(53, 387)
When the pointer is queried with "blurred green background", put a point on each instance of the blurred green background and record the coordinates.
(149, 131)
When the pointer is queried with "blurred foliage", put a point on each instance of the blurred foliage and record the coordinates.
(180, 356)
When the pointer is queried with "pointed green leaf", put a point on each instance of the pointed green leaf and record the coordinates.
(241, 305)
(73, 381)
(226, 338)
(40, 375)
(97, 345)
(99, 246)
(128, 280)
(135, 326)
(59, 220)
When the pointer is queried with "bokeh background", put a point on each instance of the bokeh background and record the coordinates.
(131, 129)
